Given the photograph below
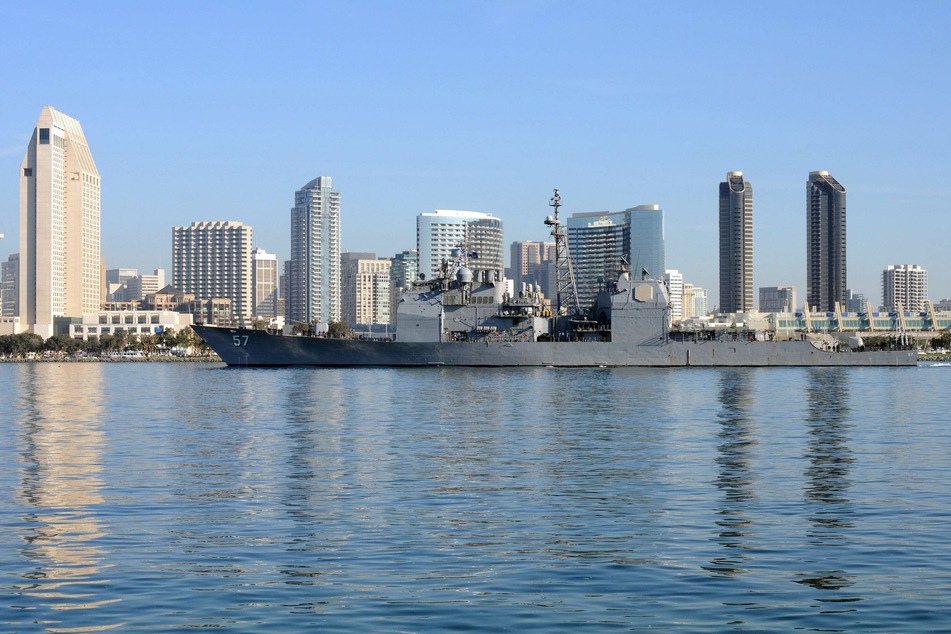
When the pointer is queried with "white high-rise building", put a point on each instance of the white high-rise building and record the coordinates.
(674, 280)
(313, 277)
(265, 284)
(440, 232)
(59, 225)
(213, 261)
(905, 284)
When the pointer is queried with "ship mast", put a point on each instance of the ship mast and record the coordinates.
(564, 273)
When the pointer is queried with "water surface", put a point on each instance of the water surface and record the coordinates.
(156, 497)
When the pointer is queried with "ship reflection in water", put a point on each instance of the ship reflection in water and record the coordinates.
(61, 445)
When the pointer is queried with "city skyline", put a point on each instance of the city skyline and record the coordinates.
(467, 108)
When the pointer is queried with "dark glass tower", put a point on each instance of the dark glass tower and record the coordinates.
(736, 244)
(825, 242)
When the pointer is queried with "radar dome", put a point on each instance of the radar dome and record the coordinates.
(464, 275)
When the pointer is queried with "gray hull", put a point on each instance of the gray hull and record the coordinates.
(247, 347)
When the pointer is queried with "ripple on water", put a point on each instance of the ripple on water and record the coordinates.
(441, 499)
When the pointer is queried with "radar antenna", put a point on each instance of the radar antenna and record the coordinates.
(564, 273)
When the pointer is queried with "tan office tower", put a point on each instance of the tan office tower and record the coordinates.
(59, 225)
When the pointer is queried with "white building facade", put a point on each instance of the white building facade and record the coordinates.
(136, 322)
(441, 232)
(674, 280)
(313, 275)
(905, 285)
(212, 260)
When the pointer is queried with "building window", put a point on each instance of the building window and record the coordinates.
(28, 171)
(44, 136)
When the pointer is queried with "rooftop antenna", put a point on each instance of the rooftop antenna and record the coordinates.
(564, 274)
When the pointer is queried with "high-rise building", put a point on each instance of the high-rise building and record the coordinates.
(648, 249)
(674, 280)
(599, 240)
(116, 280)
(777, 299)
(60, 269)
(736, 244)
(442, 232)
(313, 278)
(855, 302)
(365, 287)
(825, 242)
(265, 276)
(146, 284)
(526, 261)
(694, 301)
(403, 273)
(9, 286)
(213, 261)
(905, 285)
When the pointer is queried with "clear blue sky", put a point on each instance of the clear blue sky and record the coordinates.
(221, 110)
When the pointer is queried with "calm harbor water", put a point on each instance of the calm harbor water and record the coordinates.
(152, 497)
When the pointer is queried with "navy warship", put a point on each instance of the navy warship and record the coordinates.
(466, 317)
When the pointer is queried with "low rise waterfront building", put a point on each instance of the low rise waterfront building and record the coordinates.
(788, 325)
(136, 322)
(10, 325)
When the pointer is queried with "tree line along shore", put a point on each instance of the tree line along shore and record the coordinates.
(167, 345)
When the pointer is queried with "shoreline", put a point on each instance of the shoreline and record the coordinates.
(163, 359)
